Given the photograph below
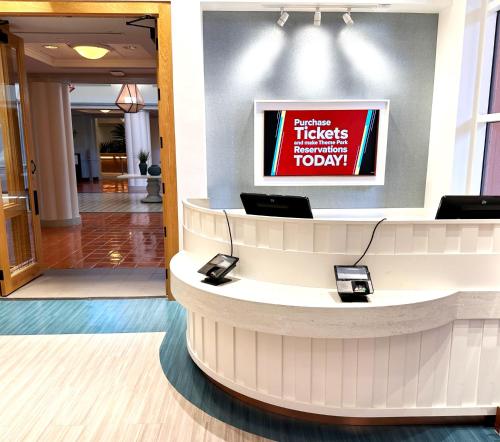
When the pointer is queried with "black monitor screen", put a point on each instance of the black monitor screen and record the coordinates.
(276, 205)
(469, 207)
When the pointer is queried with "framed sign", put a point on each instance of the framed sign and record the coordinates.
(320, 143)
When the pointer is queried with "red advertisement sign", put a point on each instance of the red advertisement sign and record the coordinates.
(320, 142)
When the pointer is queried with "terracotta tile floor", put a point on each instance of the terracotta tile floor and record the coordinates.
(105, 240)
(104, 185)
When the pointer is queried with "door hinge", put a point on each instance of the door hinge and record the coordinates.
(165, 232)
(35, 199)
(166, 273)
(161, 142)
(163, 188)
(159, 94)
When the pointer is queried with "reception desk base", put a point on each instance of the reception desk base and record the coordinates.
(426, 346)
(428, 375)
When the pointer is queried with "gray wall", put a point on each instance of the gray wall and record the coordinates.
(383, 56)
(85, 144)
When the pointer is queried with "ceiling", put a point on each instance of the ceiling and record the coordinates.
(131, 49)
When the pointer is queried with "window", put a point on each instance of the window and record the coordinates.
(490, 184)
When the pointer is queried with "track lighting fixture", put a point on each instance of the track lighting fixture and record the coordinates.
(317, 17)
(283, 18)
(347, 18)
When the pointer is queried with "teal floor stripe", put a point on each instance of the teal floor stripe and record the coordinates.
(190, 381)
(46, 317)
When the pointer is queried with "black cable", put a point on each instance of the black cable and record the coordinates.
(229, 229)
(370, 243)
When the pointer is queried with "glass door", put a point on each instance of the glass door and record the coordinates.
(19, 220)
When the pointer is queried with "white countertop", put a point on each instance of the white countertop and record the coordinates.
(186, 266)
(318, 312)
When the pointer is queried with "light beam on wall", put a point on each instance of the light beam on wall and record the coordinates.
(365, 56)
(313, 61)
(256, 61)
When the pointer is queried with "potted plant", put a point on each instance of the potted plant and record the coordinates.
(143, 159)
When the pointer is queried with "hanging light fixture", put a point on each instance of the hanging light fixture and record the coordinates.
(130, 99)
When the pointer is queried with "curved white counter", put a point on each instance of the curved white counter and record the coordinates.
(421, 347)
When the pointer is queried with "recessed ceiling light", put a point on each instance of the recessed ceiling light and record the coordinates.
(51, 47)
(117, 73)
(130, 47)
(91, 52)
(105, 111)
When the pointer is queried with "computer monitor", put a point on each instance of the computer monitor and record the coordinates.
(469, 207)
(276, 205)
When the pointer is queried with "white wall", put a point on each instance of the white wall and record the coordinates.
(440, 168)
(189, 99)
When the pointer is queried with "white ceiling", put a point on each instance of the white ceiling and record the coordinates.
(415, 6)
(66, 31)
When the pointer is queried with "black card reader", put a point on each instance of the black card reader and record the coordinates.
(353, 283)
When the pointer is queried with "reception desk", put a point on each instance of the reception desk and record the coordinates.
(427, 344)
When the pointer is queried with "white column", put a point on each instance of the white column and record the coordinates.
(54, 153)
(137, 138)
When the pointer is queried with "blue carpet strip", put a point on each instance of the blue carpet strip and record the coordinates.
(46, 317)
(49, 317)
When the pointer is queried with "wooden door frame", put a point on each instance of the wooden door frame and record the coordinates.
(11, 282)
(161, 10)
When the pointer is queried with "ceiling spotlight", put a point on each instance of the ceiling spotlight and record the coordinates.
(105, 111)
(92, 52)
(317, 17)
(347, 18)
(117, 73)
(51, 47)
(283, 18)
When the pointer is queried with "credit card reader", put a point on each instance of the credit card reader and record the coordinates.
(353, 283)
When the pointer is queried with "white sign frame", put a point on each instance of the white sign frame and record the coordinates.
(263, 105)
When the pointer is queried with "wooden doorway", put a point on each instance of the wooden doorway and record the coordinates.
(19, 218)
(161, 11)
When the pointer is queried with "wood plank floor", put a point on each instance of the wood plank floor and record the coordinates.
(96, 387)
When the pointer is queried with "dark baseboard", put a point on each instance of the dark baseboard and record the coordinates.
(348, 420)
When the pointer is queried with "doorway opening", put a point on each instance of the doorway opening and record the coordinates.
(114, 223)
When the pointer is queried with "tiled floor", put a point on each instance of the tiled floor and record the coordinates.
(106, 240)
(104, 185)
(116, 202)
(95, 283)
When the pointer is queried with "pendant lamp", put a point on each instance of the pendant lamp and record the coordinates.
(130, 99)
